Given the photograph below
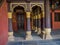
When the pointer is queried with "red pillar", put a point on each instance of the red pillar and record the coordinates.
(3, 24)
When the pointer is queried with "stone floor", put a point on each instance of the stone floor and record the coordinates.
(36, 42)
(19, 39)
(55, 34)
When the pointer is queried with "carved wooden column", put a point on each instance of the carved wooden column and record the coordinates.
(38, 24)
(35, 23)
(10, 30)
(28, 32)
(43, 26)
(47, 20)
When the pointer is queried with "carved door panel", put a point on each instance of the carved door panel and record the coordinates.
(20, 22)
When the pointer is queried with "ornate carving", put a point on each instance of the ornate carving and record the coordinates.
(13, 5)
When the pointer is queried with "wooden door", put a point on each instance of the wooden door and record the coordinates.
(56, 19)
(18, 22)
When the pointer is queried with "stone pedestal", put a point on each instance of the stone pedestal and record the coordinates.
(36, 29)
(28, 35)
(48, 33)
(43, 34)
(10, 33)
(39, 31)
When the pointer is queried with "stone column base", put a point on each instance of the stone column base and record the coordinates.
(47, 33)
(10, 36)
(10, 33)
(33, 28)
(38, 31)
(43, 34)
(28, 35)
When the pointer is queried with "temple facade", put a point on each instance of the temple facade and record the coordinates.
(27, 15)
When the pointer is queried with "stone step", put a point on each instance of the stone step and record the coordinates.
(35, 42)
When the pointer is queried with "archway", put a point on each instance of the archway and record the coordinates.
(19, 19)
(36, 15)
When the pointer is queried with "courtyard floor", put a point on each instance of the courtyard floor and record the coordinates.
(19, 39)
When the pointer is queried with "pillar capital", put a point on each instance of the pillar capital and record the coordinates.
(9, 14)
(28, 14)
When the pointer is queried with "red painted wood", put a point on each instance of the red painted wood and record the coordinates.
(14, 22)
(53, 20)
(55, 25)
(57, 11)
(3, 24)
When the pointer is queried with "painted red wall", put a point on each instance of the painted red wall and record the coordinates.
(3, 24)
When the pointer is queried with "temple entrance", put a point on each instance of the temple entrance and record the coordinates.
(36, 18)
(19, 21)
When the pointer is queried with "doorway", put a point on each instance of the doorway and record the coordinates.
(36, 17)
(19, 21)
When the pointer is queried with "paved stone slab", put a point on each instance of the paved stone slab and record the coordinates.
(36, 42)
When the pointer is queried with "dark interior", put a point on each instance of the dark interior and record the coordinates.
(20, 17)
(20, 21)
